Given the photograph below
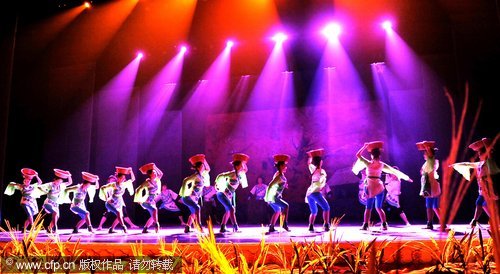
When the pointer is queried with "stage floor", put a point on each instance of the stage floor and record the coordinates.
(254, 234)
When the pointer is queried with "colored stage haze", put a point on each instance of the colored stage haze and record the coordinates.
(413, 100)
(338, 98)
(265, 93)
(157, 95)
(210, 92)
(111, 118)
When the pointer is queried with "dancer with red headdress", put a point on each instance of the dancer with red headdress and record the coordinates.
(226, 184)
(54, 190)
(430, 188)
(146, 194)
(191, 190)
(314, 195)
(275, 190)
(373, 183)
(29, 193)
(113, 192)
(485, 169)
(89, 186)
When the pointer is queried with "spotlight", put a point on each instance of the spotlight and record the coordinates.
(279, 37)
(183, 49)
(229, 43)
(87, 5)
(387, 25)
(140, 55)
(332, 31)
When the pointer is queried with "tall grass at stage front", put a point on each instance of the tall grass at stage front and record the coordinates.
(27, 248)
(473, 253)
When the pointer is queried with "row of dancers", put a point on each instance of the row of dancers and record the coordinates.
(191, 192)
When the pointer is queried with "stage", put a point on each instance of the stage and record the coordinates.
(400, 247)
(253, 234)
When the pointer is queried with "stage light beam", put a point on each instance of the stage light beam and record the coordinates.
(279, 37)
(332, 31)
(387, 25)
(183, 49)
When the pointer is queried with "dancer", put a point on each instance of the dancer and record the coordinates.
(113, 192)
(485, 168)
(54, 190)
(108, 214)
(226, 184)
(373, 183)
(430, 188)
(169, 200)
(393, 186)
(29, 193)
(258, 210)
(90, 185)
(146, 194)
(192, 189)
(275, 190)
(209, 209)
(314, 196)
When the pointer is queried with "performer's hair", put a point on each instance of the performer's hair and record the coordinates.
(236, 163)
(376, 153)
(197, 164)
(149, 172)
(278, 164)
(316, 161)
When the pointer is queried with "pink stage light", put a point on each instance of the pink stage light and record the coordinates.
(387, 25)
(279, 37)
(332, 31)
(229, 43)
(183, 49)
(140, 55)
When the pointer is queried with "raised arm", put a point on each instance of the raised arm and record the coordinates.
(160, 173)
(38, 180)
(70, 180)
(207, 166)
(360, 156)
